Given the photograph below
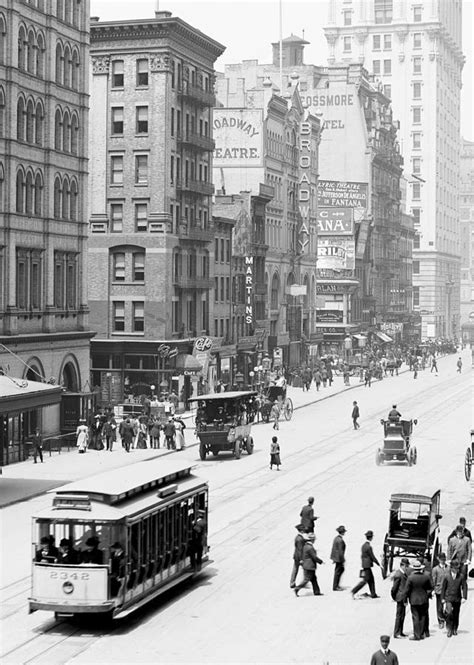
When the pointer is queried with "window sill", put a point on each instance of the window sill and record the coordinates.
(124, 283)
(128, 334)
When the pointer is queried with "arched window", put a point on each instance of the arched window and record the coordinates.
(58, 129)
(20, 119)
(38, 203)
(274, 296)
(31, 54)
(30, 121)
(2, 112)
(39, 117)
(3, 38)
(40, 49)
(74, 134)
(29, 193)
(67, 67)
(20, 190)
(73, 201)
(65, 199)
(66, 131)
(75, 70)
(59, 63)
(57, 198)
(22, 48)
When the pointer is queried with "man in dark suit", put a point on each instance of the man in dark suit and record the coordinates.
(418, 592)
(368, 559)
(309, 562)
(399, 582)
(453, 591)
(300, 541)
(467, 533)
(384, 656)
(338, 557)
(307, 516)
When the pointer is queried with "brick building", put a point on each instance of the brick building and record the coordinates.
(44, 332)
(151, 242)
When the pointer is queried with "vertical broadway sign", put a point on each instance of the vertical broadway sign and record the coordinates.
(249, 290)
(304, 190)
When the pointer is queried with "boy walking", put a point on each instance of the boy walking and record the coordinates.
(355, 415)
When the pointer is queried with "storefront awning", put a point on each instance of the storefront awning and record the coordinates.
(359, 337)
(20, 395)
(188, 362)
(383, 337)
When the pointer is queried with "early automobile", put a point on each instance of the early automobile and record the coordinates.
(468, 458)
(224, 422)
(269, 396)
(397, 442)
(413, 529)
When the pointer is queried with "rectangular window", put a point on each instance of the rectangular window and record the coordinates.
(416, 212)
(416, 165)
(416, 296)
(376, 42)
(227, 289)
(347, 16)
(417, 90)
(116, 170)
(383, 11)
(347, 44)
(216, 249)
(387, 67)
(139, 267)
(417, 64)
(141, 217)
(417, 41)
(416, 267)
(416, 190)
(417, 114)
(142, 72)
(119, 267)
(141, 169)
(142, 119)
(216, 327)
(416, 241)
(417, 14)
(387, 42)
(71, 283)
(416, 136)
(216, 289)
(58, 281)
(21, 283)
(117, 74)
(222, 298)
(172, 122)
(35, 285)
(227, 251)
(222, 250)
(116, 217)
(376, 67)
(117, 120)
(138, 316)
(119, 316)
(387, 91)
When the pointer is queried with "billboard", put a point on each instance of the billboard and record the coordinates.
(238, 134)
(335, 221)
(336, 253)
(345, 194)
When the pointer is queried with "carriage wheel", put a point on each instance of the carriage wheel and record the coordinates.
(415, 455)
(202, 451)
(237, 449)
(385, 558)
(468, 464)
(378, 458)
(288, 409)
(249, 445)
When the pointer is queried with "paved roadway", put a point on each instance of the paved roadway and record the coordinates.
(243, 611)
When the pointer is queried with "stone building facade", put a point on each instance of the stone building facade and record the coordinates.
(467, 239)
(151, 242)
(44, 82)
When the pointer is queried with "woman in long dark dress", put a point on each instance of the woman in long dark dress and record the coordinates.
(275, 453)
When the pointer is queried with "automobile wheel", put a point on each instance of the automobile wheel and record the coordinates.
(202, 451)
(468, 464)
(249, 445)
(415, 456)
(238, 449)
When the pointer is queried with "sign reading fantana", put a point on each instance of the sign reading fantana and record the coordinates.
(335, 221)
(343, 194)
(238, 136)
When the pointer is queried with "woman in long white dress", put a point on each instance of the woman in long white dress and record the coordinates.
(82, 434)
(179, 436)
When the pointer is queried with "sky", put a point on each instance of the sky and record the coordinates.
(247, 29)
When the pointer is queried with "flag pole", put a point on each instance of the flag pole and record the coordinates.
(281, 45)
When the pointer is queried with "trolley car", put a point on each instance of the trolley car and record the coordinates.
(151, 509)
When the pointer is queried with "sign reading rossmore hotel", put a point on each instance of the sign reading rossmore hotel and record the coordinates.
(238, 136)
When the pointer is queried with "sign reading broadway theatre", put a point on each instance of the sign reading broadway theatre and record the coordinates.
(238, 136)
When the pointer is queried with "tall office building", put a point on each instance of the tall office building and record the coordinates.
(44, 335)
(414, 48)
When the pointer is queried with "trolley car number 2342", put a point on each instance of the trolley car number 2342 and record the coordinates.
(61, 575)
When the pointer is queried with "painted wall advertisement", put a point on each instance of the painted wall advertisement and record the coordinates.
(336, 253)
(239, 137)
(343, 194)
(335, 221)
(329, 316)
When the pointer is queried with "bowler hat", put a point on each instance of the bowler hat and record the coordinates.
(369, 534)
(417, 565)
(454, 564)
(65, 542)
(92, 541)
(341, 529)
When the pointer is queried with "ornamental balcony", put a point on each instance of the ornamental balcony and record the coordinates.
(196, 94)
(195, 186)
(197, 141)
(195, 233)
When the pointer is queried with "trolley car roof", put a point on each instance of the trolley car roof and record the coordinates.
(414, 498)
(234, 394)
(121, 484)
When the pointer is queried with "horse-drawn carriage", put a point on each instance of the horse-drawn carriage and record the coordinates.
(272, 394)
(224, 422)
(413, 529)
(397, 444)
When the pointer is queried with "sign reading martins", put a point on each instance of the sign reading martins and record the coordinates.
(344, 194)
